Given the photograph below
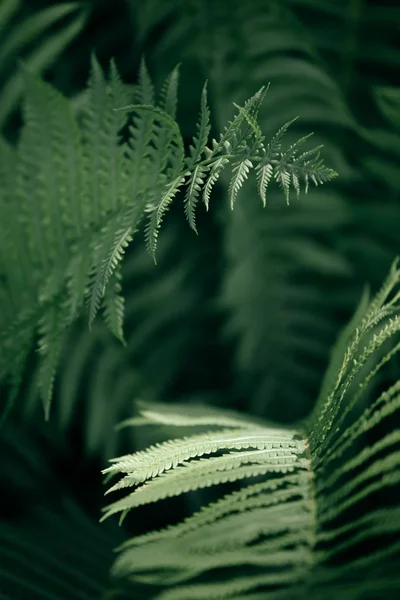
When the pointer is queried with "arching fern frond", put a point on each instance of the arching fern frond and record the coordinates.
(83, 192)
(288, 533)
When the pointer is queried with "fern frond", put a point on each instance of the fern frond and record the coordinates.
(383, 313)
(276, 451)
(175, 452)
(290, 520)
(243, 500)
(208, 472)
(84, 191)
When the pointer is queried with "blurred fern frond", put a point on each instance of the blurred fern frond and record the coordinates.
(19, 40)
(289, 533)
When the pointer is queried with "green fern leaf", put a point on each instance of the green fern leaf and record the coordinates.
(264, 176)
(169, 93)
(251, 118)
(113, 306)
(146, 88)
(213, 177)
(202, 132)
(233, 133)
(103, 155)
(194, 188)
(96, 286)
(157, 214)
(121, 242)
(50, 346)
(240, 173)
(38, 172)
(77, 276)
(275, 145)
(174, 142)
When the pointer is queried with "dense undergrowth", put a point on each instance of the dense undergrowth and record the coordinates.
(227, 341)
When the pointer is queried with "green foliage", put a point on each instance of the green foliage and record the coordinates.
(83, 193)
(326, 59)
(242, 317)
(288, 534)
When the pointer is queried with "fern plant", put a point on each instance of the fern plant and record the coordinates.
(84, 192)
(276, 263)
(320, 496)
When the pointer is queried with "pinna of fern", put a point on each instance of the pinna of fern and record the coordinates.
(321, 489)
(83, 192)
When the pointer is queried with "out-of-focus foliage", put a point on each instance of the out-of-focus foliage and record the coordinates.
(37, 38)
